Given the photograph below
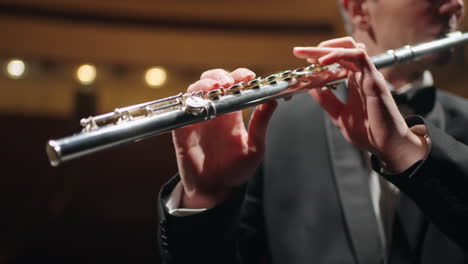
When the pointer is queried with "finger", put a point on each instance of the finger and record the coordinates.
(355, 59)
(220, 75)
(327, 56)
(311, 52)
(328, 101)
(375, 84)
(345, 64)
(356, 98)
(242, 75)
(258, 125)
(345, 42)
(204, 85)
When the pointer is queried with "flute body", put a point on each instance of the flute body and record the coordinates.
(137, 122)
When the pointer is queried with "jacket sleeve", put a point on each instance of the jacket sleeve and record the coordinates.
(439, 184)
(222, 234)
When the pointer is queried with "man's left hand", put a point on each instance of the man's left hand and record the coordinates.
(370, 118)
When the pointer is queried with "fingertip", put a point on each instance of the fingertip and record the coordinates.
(318, 95)
(242, 75)
(191, 88)
(220, 75)
(204, 85)
(299, 50)
(273, 104)
(314, 93)
(327, 100)
(245, 71)
(268, 108)
(265, 108)
(259, 122)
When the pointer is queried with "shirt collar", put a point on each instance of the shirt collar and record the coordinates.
(425, 80)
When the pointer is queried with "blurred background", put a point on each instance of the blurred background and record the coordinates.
(63, 60)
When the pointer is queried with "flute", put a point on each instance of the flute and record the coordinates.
(137, 122)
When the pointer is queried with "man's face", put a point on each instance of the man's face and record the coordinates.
(396, 23)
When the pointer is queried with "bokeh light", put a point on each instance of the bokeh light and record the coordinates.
(15, 68)
(86, 74)
(155, 77)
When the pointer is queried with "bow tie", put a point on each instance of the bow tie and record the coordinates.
(420, 101)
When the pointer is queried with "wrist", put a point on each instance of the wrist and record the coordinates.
(411, 149)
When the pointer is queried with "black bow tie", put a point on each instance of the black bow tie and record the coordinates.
(420, 101)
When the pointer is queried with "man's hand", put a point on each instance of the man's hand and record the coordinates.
(370, 118)
(216, 156)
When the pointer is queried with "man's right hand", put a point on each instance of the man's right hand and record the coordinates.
(217, 156)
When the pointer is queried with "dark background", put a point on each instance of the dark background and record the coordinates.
(102, 208)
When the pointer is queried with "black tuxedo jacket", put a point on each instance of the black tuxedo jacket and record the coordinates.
(310, 201)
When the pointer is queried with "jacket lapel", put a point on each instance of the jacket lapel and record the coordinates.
(302, 210)
(352, 182)
(412, 224)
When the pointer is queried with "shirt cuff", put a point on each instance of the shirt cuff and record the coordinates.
(173, 203)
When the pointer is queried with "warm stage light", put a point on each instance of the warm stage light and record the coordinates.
(155, 77)
(15, 68)
(86, 74)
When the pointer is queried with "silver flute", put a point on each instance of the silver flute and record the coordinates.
(137, 122)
